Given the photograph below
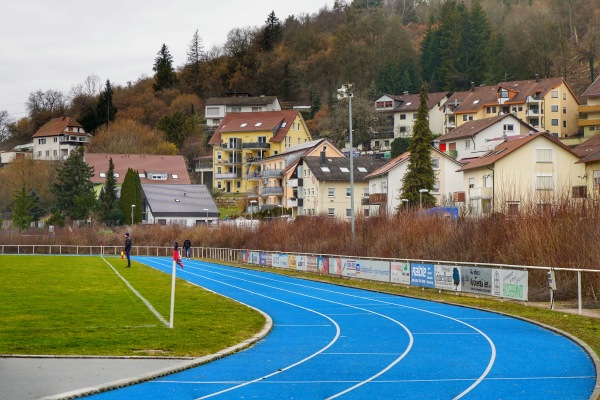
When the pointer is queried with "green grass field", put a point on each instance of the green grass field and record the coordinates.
(71, 305)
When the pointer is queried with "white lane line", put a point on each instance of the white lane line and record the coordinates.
(146, 302)
(491, 343)
(381, 372)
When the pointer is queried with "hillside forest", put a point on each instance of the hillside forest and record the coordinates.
(381, 46)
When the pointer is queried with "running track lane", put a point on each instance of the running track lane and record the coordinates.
(336, 342)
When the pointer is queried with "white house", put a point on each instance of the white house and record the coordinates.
(57, 138)
(217, 107)
(386, 182)
(476, 138)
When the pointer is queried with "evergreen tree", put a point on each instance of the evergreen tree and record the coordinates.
(195, 56)
(165, 75)
(479, 38)
(420, 174)
(399, 146)
(73, 189)
(105, 109)
(177, 127)
(430, 58)
(36, 210)
(109, 211)
(131, 194)
(315, 104)
(22, 204)
(272, 32)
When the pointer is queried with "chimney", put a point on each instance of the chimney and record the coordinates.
(537, 78)
(323, 157)
(472, 86)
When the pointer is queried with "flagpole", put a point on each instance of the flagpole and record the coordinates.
(172, 295)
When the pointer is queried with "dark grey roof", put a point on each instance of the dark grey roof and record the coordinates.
(363, 166)
(180, 200)
(241, 101)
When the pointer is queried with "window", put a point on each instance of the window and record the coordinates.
(402, 116)
(175, 176)
(102, 175)
(543, 155)
(348, 212)
(330, 192)
(436, 187)
(554, 108)
(564, 124)
(491, 110)
(55, 153)
(366, 191)
(256, 109)
(244, 125)
(564, 110)
(258, 124)
(212, 110)
(362, 169)
(55, 139)
(42, 141)
(348, 192)
(467, 144)
(325, 169)
(47, 153)
(555, 94)
(503, 94)
(465, 117)
(596, 177)
(402, 129)
(435, 163)
(471, 183)
(142, 175)
(331, 212)
(236, 109)
(544, 182)
(554, 122)
(564, 96)
(513, 207)
(509, 127)
(414, 116)
(579, 192)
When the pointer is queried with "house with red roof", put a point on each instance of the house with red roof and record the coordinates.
(398, 113)
(243, 140)
(535, 171)
(57, 138)
(589, 151)
(546, 104)
(475, 138)
(385, 183)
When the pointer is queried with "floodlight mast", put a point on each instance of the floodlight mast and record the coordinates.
(346, 92)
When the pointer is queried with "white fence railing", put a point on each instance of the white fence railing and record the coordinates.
(496, 280)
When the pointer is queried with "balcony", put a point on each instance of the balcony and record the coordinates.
(255, 175)
(228, 161)
(253, 160)
(256, 146)
(229, 175)
(480, 193)
(295, 202)
(376, 198)
(271, 191)
(451, 153)
(230, 147)
(272, 173)
(534, 99)
(533, 112)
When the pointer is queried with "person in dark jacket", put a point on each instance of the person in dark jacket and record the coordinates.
(128, 249)
(187, 245)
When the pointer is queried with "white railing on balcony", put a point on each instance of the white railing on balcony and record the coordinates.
(481, 193)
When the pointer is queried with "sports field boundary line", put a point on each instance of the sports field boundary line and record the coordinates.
(138, 294)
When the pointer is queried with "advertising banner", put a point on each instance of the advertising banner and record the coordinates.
(421, 274)
(323, 264)
(269, 259)
(511, 284)
(373, 270)
(311, 264)
(301, 263)
(262, 258)
(349, 267)
(254, 257)
(280, 260)
(447, 277)
(476, 280)
(291, 264)
(335, 266)
(400, 272)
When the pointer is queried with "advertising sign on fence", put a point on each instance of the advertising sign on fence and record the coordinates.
(280, 260)
(291, 261)
(400, 272)
(447, 277)
(269, 260)
(421, 274)
(513, 284)
(373, 270)
(262, 258)
(311, 263)
(323, 265)
(477, 280)
(301, 263)
(254, 257)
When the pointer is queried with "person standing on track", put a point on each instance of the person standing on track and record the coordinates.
(187, 245)
(128, 249)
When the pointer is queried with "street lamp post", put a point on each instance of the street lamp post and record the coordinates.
(405, 202)
(132, 207)
(346, 92)
(421, 191)
(206, 211)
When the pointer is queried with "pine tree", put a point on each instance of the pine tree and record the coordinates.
(165, 75)
(105, 109)
(195, 56)
(430, 58)
(109, 211)
(272, 32)
(73, 189)
(22, 203)
(131, 194)
(36, 210)
(315, 105)
(479, 38)
(420, 174)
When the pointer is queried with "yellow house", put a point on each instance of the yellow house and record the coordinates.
(243, 140)
(589, 113)
(546, 104)
(589, 151)
(276, 186)
(535, 171)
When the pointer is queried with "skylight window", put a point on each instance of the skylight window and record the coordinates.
(283, 124)
(258, 124)
(142, 175)
(325, 169)
(243, 125)
(117, 175)
(175, 176)
(476, 101)
(362, 169)
(409, 103)
(344, 169)
(102, 175)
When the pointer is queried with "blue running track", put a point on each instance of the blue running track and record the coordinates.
(331, 342)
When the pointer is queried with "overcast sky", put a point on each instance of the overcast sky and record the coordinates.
(54, 45)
